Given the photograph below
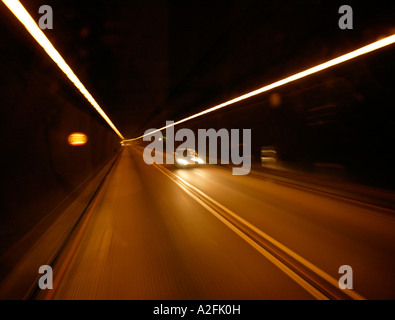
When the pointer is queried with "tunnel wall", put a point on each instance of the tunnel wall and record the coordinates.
(39, 109)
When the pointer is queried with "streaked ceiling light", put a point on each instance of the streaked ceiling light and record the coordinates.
(24, 17)
(348, 56)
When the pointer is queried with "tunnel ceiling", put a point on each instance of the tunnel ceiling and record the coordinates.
(150, 61)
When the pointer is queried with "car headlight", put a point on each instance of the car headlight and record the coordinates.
(198, 160)
(182, 161)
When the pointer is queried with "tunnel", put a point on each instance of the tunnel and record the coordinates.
(283, 185)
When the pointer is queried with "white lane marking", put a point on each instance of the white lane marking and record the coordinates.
(301, 260)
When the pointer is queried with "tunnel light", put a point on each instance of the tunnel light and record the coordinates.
(348, 56)
(77, 139)
(24, 17)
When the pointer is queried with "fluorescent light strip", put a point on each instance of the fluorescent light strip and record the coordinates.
(24, 17)
(351, 55)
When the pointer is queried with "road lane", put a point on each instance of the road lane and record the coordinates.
(323, 229)
(148, 239)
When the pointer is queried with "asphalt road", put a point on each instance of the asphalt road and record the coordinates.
(157, 232)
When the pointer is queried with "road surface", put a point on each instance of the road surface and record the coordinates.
(158, 232)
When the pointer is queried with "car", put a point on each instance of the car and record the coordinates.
(186, 157)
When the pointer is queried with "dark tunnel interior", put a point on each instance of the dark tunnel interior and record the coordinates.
(148, 62)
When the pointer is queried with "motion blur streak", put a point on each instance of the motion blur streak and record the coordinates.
(24, 17)
(348, 56)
